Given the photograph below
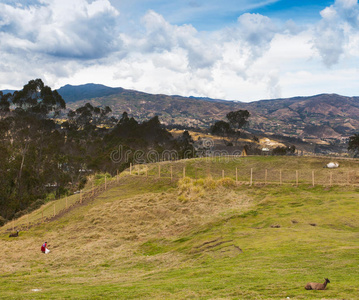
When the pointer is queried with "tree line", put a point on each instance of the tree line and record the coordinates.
(46, 150)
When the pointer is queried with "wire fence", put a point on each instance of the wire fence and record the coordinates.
(176, 170)
(55, 209)
(251, 176)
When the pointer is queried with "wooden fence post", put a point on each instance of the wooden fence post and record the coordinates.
(251, 180)
(117, 177)
(184, 172)
(130, 168)
(80, 196)
(331, 178)
(159, 171)
(171, 173)
(146, 171)
(297, 177)
(348, 177)
(105, 181)
(66, 202)
(93, 189)
(236, 175)
(54, 209)
(42, 215)
(222, 174)
(313, 183)
(265, 176)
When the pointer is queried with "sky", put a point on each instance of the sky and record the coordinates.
(231, 49)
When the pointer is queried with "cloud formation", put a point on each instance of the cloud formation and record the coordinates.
(333, 34)
(61, 28)
(65, 41)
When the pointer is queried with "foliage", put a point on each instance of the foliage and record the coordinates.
(230, 129)
(288, 150)
(42, 155)
(353, 144)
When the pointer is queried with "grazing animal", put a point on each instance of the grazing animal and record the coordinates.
(14, 234)
(332, 165)
(317, 286)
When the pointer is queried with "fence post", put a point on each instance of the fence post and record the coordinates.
(251, 180)
(236, 175)
(117, 177)
(297, 177)
(265, 176)
(54, 210)
(159, 171)
(184, 172)
(66, 200)
(13, 225)
(130, 168)
(146, 171)
(222, 174)
(171, 173)
(280, 177)
(330, 178)
(80, 196)
(93, 188)
(348, 177)
(105, 181)
(42, 215)
(313, 183)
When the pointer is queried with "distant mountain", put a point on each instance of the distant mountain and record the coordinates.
(7, 91)
(324, 116)
(71, 93)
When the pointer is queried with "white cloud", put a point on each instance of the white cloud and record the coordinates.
(61, 28)
(339, 23)
(66, 41)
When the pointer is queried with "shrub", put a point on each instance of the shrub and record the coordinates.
(2, 221)
(227, 182)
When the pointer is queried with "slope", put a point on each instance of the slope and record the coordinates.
(205, 238)
(287, 116)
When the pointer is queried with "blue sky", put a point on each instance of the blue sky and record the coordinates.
(230, 49)
(214, 14)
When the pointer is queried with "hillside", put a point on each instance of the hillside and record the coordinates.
(300, 117)
(149, 238)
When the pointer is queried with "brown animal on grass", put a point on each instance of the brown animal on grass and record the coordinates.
(317, 286)
(14, 234)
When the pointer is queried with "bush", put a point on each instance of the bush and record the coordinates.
(2, 221)
(227, 182)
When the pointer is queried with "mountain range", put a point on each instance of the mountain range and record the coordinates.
(328, 117)
(324, 116)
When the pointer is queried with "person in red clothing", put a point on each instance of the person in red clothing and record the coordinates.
(44, 248)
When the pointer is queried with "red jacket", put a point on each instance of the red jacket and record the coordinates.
(43, 247)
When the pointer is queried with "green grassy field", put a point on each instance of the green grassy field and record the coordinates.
(197, 238)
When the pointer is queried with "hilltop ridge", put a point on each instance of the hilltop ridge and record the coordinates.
(300, 117)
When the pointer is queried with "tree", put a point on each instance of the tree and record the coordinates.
(237, 119)
(221, 128)
(4, 103)
(37, 98)
(353, 145)
(288, 150)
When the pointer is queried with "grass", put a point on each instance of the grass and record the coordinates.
(204, 238)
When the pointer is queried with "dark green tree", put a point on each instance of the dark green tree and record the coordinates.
(353, 145)
(238, 119)
(37, 98)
